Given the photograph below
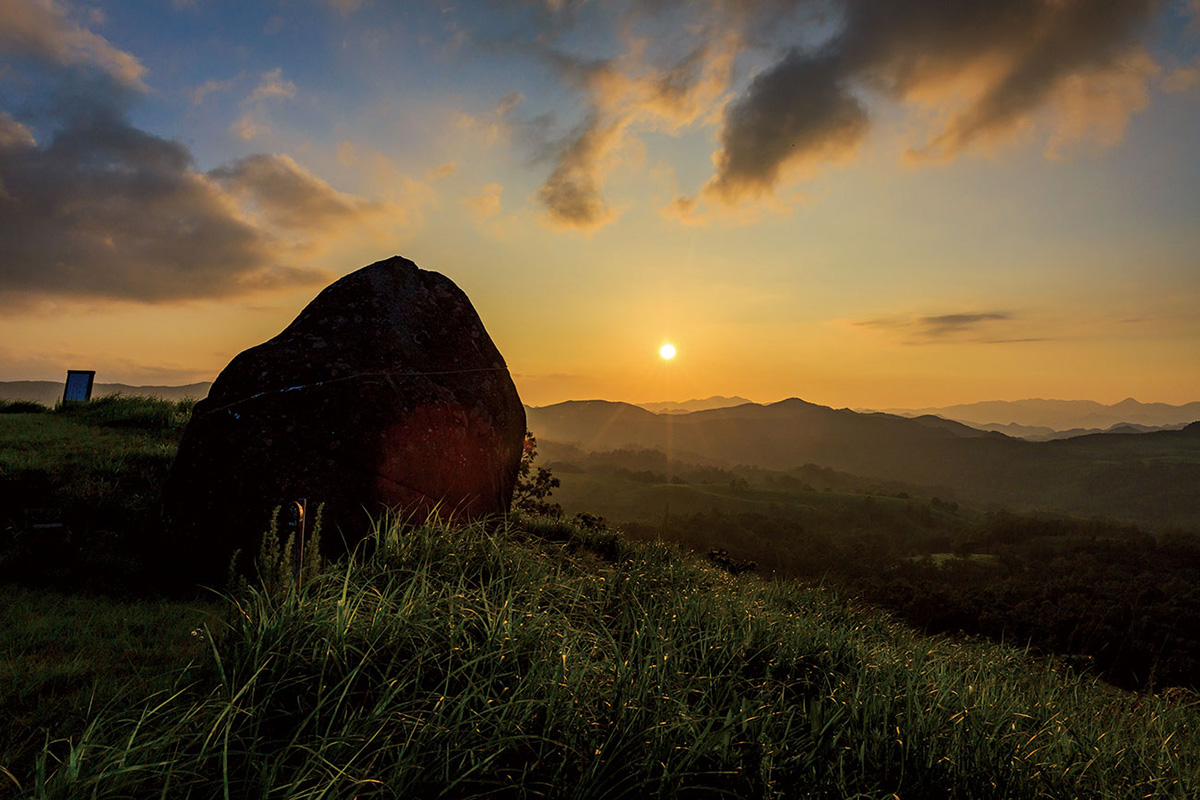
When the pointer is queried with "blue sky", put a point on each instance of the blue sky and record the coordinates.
(859, 203)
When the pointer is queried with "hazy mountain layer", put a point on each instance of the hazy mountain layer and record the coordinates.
(1062, 415)
(1150, 478)
(707, 404)
(1041, 433)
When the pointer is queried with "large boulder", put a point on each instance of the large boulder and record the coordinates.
(385, 393)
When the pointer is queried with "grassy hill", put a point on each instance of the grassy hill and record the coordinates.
(545, 660)
(80, 489)
(1115, 597)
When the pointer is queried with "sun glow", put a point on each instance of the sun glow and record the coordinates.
(667, 351)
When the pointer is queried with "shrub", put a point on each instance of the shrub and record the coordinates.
(22, 407)
(533, 488)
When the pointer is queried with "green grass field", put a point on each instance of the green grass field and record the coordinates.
(543, 660)
(63, 657)
(80, 490)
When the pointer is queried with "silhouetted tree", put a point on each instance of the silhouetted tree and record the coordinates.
(532, 487)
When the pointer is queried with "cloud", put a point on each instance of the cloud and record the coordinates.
(952, 324)
(14, 135)
(106, 210)
(795, 113)
(972, 76)
(272, 85)
(638, 91)
(210, 87)
(989, 68)
(1032, 52)
(40, 30)
(490, 127)
(976, 327)
(1183, 79)
(441, 171)
(246, 127)
(485, 204)
(287, 196)
(1096, 107)
(571, 195)
(93, 207)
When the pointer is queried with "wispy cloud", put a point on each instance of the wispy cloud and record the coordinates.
(486, 204)
(639, 91)
(272, 85)
(1184, 78)
(492, 126)
(41, 30)
(287, 196)
(985, 327)
(211, 86)
(948, 324)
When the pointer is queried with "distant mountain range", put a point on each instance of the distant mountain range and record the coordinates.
(50, 392)
(687, 406)
(1151, 478)
(1134, 470)
(1060, 415)
(1044, 434)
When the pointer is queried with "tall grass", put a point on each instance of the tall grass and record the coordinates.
(149, 414)
(548, 661)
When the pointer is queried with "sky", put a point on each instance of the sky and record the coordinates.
(860, 203)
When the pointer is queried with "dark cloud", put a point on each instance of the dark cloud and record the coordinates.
(91, 206)
(571, 195)
(1020, 50)
(104, 209)
(982, 70)
(797, 111)
(1008, 58)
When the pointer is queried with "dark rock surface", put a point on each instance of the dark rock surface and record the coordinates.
(385, 392)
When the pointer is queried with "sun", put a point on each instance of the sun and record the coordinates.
(667, 351)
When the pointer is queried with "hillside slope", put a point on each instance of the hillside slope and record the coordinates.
(547, 660)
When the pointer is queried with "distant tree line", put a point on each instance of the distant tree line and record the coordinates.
(1107, 598)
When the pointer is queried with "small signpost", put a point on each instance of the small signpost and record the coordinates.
(79, 386)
